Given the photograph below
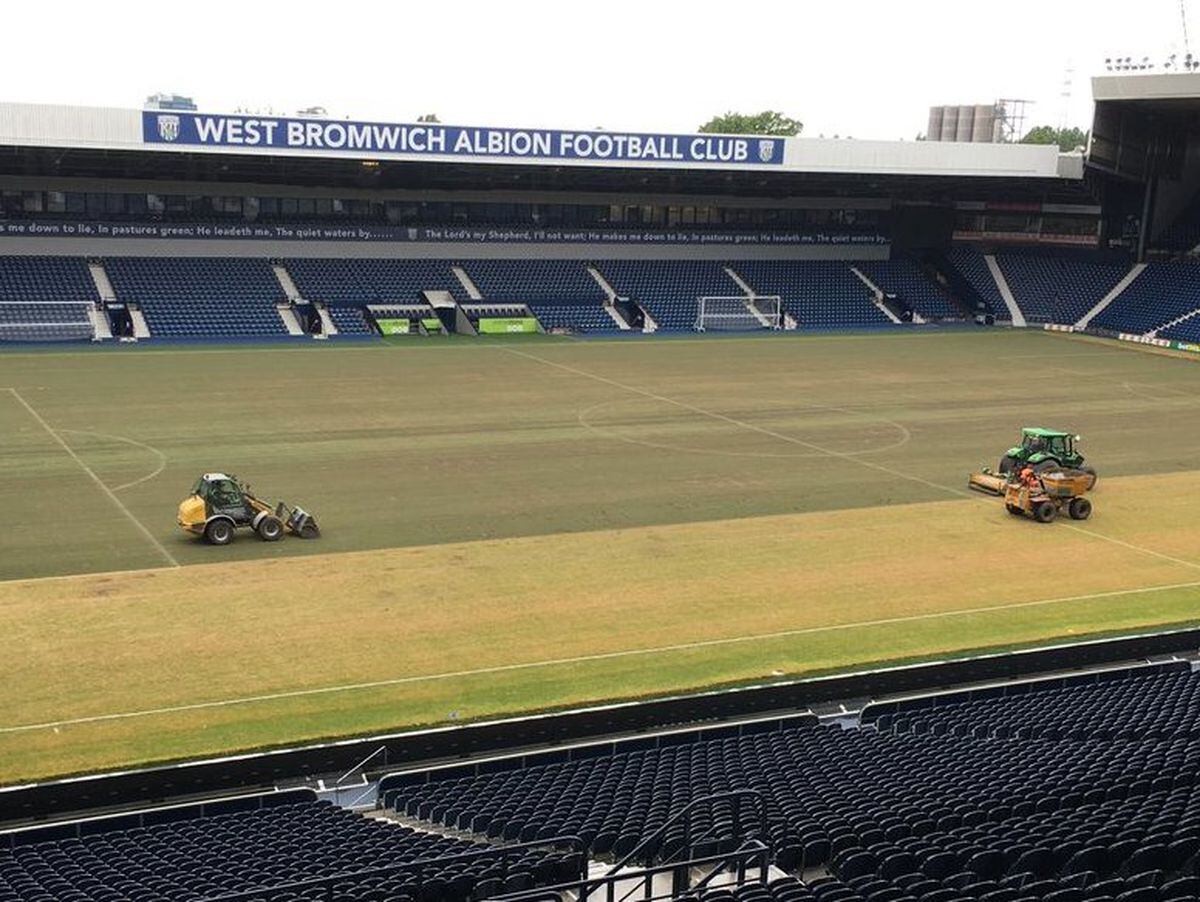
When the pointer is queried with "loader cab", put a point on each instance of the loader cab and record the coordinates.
(222, 495)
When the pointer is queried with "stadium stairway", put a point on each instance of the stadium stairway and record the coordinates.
(877, 298)
(751, 302)
(1014, 311)
(1102, 305)
(467, 283)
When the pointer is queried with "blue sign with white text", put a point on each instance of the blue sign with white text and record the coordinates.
(432, 139)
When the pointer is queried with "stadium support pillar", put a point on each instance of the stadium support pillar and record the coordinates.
(1147, 211)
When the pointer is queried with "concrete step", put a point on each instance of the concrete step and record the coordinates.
(290, 322)
(290, 291)
(100, 280)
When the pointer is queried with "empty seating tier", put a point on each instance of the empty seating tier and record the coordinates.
(357, 282)
(1058, 287)
(193, 297)
(905, 279)
(256, 851)
(971, 266)
(1090, 789)
(45, 299)
(1162, 292)
(562, 294)
(350, 321)
(668, 289)
(817, 294)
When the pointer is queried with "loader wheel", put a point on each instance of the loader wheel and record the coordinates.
(1008, 464)
(1014, 510)
(1045, 512)
(219, 532)
(270, 529)
(1079, 509)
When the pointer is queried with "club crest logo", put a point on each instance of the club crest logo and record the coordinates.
(168, 127)
(766, 150)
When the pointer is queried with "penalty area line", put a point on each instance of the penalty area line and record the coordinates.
(584, 659)
(120, 505)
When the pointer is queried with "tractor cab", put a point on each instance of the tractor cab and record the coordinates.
(1042, 449)
(1043, 442)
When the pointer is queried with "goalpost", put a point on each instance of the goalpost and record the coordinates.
(738, 313)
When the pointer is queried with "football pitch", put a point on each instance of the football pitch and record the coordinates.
(521, 525)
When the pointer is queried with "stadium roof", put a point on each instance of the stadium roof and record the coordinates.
(162, 133)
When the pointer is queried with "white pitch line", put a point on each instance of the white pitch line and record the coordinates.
(162, 458)
(96, 479)
(583, 659)
(870, 464)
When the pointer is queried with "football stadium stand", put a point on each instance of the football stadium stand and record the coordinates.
(1058, 287)
(1085, 789)
(968, 262)
(1161, 294)
(904, 278)
(199, 297)
(300, 850)
(357, 282)
(817, 294)
(562, 294)
(668, 289)
(1066, 789)
(45, 299)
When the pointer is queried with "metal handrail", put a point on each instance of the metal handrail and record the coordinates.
(574, 843)
(737, 795)
(751, 852)
(359, 766)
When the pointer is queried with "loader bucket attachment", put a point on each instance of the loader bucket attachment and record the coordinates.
(987, 483)
(301, 523)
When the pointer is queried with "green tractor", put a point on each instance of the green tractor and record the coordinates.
(1044, 449)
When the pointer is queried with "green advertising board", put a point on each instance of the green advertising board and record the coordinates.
(394, 326)
(495, 325)
(432, 324)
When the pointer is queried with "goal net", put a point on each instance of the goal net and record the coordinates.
(738, 313)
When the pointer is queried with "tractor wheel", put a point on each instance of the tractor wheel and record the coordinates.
(1079, 508)
(270, 528)
(1014, 510)
(1008, 464)
(219, 532)
(1092, 473)
(1045, 511)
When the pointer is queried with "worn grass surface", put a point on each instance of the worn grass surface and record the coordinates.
(561, 501)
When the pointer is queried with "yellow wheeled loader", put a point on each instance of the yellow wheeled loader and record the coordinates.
(219, 504)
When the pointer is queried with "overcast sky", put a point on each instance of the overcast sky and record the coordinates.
(860, 68)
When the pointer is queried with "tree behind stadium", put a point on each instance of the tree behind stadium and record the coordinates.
(767, 122)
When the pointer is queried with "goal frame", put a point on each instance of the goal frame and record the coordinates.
(773, 316)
